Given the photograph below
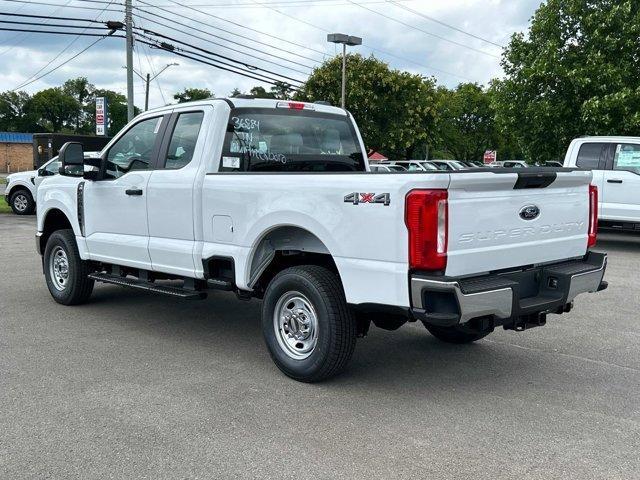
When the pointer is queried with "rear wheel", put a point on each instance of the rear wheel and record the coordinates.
(65, 272)
(22, 202)
(457, 334)
(307, 326)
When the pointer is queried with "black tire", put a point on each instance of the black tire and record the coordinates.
(77, 287)
(336, 324)
(458, 334)
(22, 202)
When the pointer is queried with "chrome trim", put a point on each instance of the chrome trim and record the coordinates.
(587, 282)
(492, 302)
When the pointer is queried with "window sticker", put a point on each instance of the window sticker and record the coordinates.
(230, 162)
(627, 156)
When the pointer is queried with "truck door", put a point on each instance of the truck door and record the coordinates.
(115, 207)
(621, 199)
(174, 193)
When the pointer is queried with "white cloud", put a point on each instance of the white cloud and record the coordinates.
(21, 55)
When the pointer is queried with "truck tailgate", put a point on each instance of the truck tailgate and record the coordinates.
(503, 220)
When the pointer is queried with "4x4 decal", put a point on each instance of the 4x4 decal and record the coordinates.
(357, 198)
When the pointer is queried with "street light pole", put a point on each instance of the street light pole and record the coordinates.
(147, 79)
(341, 38)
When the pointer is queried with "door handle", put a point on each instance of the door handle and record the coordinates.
(614, 180)
(133, 191)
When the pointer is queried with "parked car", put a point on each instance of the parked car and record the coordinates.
(448, 165)
(471, 164)
(515, 164)
(21, 187)
(615, 163)
(415, 165)
(266, 198)
(552, 163)
(387, 168)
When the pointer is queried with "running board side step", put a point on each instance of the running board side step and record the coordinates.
(148, 286)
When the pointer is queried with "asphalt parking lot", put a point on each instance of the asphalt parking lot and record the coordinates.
(134, 385)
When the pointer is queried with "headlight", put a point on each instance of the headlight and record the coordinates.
(7, 180)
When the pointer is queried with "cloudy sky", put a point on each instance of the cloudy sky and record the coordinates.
(286, 37)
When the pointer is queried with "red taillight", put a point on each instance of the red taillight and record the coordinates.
(593, 215)
(426, 214)
(296, 105)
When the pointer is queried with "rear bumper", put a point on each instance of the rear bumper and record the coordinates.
(510, 298)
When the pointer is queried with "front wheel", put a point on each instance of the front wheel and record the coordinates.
(22, 202)
(457, 334)
(308, 328)
(65, 272)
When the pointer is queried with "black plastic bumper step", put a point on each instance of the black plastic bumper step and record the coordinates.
(148, 286)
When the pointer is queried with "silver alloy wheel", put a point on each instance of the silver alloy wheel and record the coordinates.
(296, 325)
(20, 202)
(59, 268)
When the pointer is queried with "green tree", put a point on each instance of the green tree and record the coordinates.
(191, 94)
(81, 90)
(394, 110)
(16, 114)
(465, 122)
(574, 73)
(54, 108)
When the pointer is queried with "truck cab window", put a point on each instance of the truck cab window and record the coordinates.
(133, 150)
(268, 140)
(589, 155)
(183, 140)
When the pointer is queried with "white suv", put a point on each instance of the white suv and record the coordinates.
(21, 189)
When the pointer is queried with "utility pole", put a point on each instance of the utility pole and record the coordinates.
(129, 31)
(146, 92)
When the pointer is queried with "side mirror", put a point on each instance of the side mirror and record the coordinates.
(92, 168)
(71, 158)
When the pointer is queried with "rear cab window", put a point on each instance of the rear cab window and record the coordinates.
(273, 140)
(591, 156)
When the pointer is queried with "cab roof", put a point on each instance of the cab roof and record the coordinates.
(248, 102)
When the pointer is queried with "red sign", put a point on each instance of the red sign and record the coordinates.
(99, 118)
(490, 156)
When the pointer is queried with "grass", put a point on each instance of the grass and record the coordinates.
(4, 208)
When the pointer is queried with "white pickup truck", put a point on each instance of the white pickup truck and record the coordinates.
(615, 162)
(274, 200)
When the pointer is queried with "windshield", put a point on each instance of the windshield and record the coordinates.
(271, 140)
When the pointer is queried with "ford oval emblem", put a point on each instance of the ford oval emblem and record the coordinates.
(529, 212)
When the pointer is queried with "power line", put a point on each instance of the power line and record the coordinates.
(51, 25)
(248, 54)
(54, 32)
(173, 20)
(63, 63)
(440, 22)
(364, 44)
(30, 2)
(413, 27)
(244, 74)
(244, 27)
(72, 42)
(50, 17)
(209, 52)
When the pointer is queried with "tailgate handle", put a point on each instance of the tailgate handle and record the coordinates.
(534, 180)
(614, 180)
